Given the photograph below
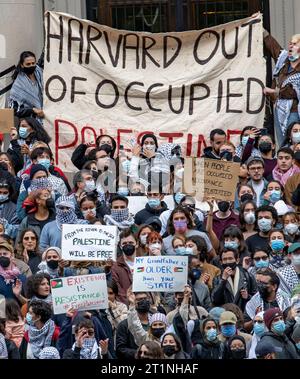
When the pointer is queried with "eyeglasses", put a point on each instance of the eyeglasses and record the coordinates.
(264, 258)
(29, 238)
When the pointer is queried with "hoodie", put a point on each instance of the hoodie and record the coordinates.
(144, 214)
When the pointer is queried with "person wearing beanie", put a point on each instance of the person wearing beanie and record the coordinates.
(52, 263)
(49, 353)
(265, 350)
(65, 214)
(157, 322)
(276, 336)
(205, 340)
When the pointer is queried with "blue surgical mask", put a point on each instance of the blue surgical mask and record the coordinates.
(29, 319)
(45, 162)
(228, 330)
(195, 274)
(275, 196)
(231, 245)
(123, 191)
(261, 264)
(4, 198)
(279, 327)
(264, 224)
(259, 329)
(296, 137)
(23, 132)
(277, 245)
(211, 334)
(189, 251)
(126, 166)
(153, 203)
(178, 197)
(245, 140)
(180, 250)
(298, 346)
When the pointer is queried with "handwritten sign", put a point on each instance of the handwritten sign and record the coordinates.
(178, 85)
(160, 274)
(89, 242)
(215, 178)
(81, 292)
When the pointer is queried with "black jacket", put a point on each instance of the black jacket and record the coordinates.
(12, 350)
(205, 350)
(144, 214)
(125, 344)
(284, 348)
(78, 158)
(75, 354)
(208, 153)
(222, 292)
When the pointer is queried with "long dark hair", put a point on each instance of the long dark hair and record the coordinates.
(34, 282)
(39, 133)
(12, 310)
(234, 232)
(20, 247)
(180, 209)
(288, 139)
(23, 56)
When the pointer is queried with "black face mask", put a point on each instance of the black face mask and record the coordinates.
(106, 146)
(265, 147)
(223, 206)
(169, 350)
(137, 194)
(158, 332)
(231, 265)
(29, 70)
(263, 291)
(52, 264)
(238, 354)
(95, 174)
(226, 155)
(143, 306)
(4, 262)
(297, 156)
(50, 203)
(179, 301)
(246, 197)
(128, 250)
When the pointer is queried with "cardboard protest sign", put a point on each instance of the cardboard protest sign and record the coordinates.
(160, 274)
(216, 178)
(6, 120)
(82, 242)
(177, 85)
(81, 292)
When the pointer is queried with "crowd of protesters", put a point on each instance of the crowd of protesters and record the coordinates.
(242, 297)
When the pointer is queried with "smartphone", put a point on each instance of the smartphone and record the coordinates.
(264, 131)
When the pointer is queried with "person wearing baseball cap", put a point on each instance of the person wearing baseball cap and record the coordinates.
(276, 336)
(290, 274)
(265, 350)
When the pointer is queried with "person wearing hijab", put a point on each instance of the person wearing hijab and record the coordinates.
(65, 214)
(236, 348)
(51, 262)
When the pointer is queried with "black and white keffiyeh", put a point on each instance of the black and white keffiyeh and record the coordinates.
(40, 338)
(89, 349)
(288, 278)
(3, 348)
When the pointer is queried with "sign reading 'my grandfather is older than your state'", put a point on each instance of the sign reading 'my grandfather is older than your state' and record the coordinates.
(89, 242)
(160, 274)
(177, 85)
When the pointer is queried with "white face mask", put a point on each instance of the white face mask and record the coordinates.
(149, 147)
(291, 228)
(154, 247)
(296, 259)
(249, 218)
(143, 239)
(93, 211)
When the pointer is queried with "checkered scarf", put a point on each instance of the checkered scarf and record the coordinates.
(40, 338)
(283, 106)
(89, 349)
(37, 184)
(288, 278)
(119, 217)
(49, 353)
(3, 348)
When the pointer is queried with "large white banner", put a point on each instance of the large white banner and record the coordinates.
(82, 242)
(81, 292)
(160, 274)
(178, 86)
